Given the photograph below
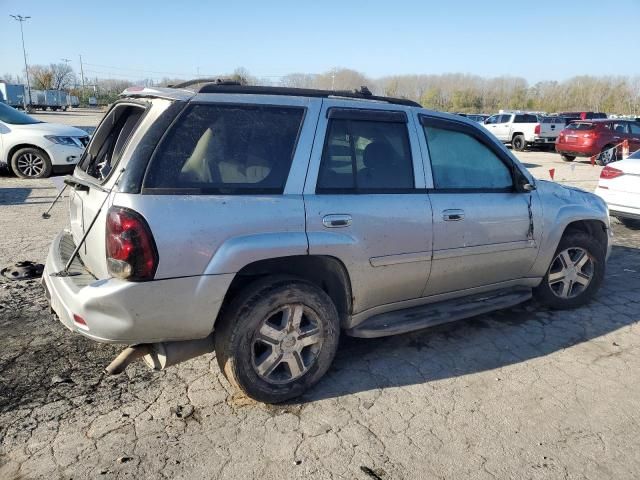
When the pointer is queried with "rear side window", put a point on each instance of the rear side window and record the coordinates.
(618, 127)
(525, 119)
(228, 149)
(365, 157)
(580, 126)
(461, 161)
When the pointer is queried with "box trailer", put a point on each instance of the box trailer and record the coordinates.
(12, 94)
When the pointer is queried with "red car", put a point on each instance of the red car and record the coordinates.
(586, 138)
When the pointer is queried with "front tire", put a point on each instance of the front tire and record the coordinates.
(277, 338)
(519, 143)
(31, 163)
(575, 274)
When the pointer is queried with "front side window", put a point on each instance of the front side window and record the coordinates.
(228, 149)
(460, 161)
(366, 156)
(505, 118)
(635, 128)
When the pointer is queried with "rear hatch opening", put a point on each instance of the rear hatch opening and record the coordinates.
(94, 177)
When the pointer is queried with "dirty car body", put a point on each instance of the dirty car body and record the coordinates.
(396, 217)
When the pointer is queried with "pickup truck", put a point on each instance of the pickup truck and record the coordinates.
(546, 132)
(518, 129)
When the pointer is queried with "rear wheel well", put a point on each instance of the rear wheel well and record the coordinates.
(515, 134)
(328, 273)
(594, 228)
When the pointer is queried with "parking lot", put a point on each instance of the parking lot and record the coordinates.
(520, 393)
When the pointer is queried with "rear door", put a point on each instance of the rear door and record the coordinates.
(634, 137)
(485, 232)
(95, 175)
(366, 203)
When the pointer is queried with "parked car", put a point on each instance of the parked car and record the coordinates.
(583, 115)
(265, 222)
(597, 137)
(620, 188)
(518, 129)
(547, 130)
(33, 149)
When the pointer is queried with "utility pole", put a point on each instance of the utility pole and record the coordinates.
(22, 19)
(82, 78)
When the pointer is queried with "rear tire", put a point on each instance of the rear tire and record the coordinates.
(575, 274)
(607, 155)
(518, 143)
(277, 338)
(567, 158)
(31, 163)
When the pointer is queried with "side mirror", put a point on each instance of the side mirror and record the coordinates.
(527, 187)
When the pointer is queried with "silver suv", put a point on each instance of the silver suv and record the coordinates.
(265, 222)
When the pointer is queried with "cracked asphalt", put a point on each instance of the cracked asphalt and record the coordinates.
(524, 393)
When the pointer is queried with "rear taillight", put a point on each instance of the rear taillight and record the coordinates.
(610, 172)
(537, 129)
(131, 250)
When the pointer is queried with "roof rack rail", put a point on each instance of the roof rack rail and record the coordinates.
(219, 86)
(197, 81)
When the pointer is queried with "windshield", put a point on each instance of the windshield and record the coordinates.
(14, 117)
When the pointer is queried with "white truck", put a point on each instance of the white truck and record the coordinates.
(548, 130)
(518, 129)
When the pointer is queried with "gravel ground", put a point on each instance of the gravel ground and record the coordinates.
(520, 393)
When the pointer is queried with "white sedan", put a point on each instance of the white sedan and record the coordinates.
(619, 186)
(33, 149)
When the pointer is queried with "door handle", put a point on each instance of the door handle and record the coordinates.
(336, 220)
(453, 215)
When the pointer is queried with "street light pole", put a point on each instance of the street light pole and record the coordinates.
(22, 19)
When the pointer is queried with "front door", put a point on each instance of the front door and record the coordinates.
(485, 231)
(366, 203)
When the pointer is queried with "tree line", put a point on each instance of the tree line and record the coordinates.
(451, 92)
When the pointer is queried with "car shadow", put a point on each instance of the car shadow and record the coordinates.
(485, 342)
(530, 165)
(22, 196)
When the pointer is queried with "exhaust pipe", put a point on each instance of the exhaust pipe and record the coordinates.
(159, 356)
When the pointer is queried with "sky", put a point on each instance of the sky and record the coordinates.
(537, 40)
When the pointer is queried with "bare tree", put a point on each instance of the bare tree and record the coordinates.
(62, 76)
(41, 77)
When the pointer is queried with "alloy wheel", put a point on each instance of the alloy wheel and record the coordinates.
(287, 344)
(571, 272)
(30, 164)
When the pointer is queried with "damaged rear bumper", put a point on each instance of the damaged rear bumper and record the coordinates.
(117, 311)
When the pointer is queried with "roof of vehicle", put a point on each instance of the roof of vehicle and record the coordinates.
(604, 120)
(181, 91)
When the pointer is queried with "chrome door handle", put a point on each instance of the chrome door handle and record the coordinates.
(336, 221)
(453, 215)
